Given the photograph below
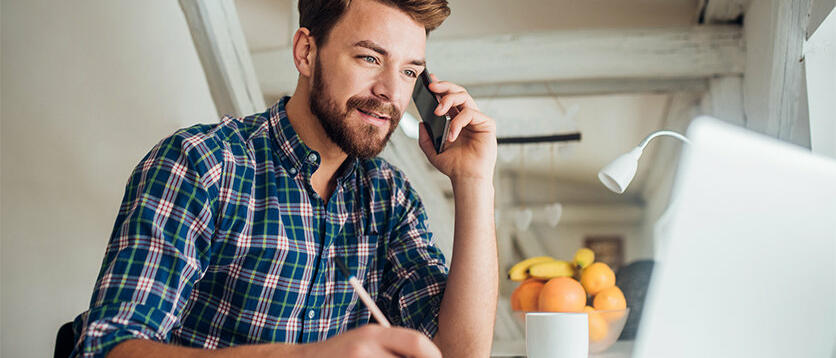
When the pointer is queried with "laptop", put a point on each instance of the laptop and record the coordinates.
(747, 266)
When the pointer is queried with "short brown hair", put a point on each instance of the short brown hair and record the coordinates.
(320, 16)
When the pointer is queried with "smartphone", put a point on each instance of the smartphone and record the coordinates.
(426, 101)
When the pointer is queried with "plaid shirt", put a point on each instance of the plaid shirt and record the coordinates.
(221, 241)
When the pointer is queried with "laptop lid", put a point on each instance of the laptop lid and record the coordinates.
(748, 265)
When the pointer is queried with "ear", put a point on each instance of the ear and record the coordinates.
(304, 51)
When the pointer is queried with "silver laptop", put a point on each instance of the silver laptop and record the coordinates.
(748, 265)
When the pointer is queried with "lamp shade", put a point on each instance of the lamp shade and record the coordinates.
(617, 175)
(409, 125)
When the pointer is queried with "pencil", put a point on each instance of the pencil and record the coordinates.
(364, 296)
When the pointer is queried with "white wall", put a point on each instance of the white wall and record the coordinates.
(88, 87)
(563, 241)
(820, 55)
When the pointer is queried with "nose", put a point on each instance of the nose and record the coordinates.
(389, 87)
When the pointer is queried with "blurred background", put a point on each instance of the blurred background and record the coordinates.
(88, 87)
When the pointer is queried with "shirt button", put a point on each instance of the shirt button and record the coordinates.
(292, 171)
(311, 314)
(312, 158)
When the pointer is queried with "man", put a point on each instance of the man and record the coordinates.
(227, 233)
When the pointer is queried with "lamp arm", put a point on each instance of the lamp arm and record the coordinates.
(659, 133)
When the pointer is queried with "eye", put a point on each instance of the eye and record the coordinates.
(410, 73)
(367, 58)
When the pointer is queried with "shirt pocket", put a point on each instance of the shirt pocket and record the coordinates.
(359, 253)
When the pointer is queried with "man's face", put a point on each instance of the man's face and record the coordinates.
(364, 75)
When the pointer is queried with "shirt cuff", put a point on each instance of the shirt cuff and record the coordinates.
(100, 329)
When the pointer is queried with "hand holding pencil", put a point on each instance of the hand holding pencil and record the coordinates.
(371, 340)
(364, 296)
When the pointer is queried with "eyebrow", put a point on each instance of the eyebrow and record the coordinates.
(376, 48)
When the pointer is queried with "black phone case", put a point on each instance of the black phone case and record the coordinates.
(426, 102)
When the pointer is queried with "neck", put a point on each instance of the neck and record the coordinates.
(309, 129)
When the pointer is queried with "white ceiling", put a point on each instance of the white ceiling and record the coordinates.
(610, 125)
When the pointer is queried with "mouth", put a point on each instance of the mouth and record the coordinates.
(374, 117)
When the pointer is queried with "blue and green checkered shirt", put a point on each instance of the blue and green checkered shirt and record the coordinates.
(221, 241)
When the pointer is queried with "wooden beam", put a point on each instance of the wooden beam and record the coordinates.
(632, 54)
(721, 11)
(819, 9)
(775, 34)
(724, 100)
(587, 87)
(788, 78)
(580, 214)
(222, 48)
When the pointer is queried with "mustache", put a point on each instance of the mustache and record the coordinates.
(371, 104)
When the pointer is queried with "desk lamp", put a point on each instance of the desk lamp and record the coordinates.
(617, 175)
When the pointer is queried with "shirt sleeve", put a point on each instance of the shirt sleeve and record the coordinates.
(414, 276)
(157, 250)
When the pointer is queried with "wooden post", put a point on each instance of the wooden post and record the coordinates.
(775, 31)
(219, 40)
(724, 99)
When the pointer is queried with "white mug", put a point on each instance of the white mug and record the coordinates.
(555, 334)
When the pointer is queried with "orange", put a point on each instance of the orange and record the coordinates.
(525, 296)
(588, 309)
(598, 327)
(597, 277)
(562, 294)
(610, 299)
(515, 300)
(611, 316)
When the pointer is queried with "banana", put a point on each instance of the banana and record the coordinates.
(583, 258)
(551, 269)
(519, 272)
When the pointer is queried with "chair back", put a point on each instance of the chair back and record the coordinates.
(64, 341)
(633, 280)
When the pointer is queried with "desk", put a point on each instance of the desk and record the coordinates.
(516, 348)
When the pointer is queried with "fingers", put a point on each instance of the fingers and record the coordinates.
(453, 100)
(453, 95)
(473, 119)
(408, 342)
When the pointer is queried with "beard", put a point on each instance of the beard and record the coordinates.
(360, 140)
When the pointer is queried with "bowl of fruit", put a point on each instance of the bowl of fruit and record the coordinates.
(582, 285)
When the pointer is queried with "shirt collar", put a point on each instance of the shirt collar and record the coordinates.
(296, 157)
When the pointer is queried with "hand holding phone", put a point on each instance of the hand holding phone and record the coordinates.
(426, 101)
(466, 136)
